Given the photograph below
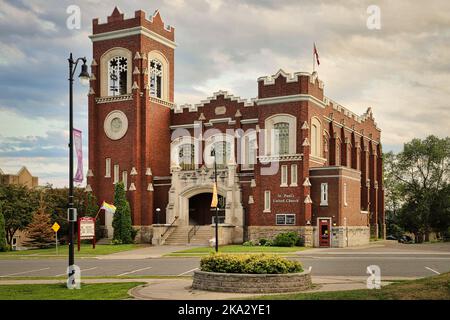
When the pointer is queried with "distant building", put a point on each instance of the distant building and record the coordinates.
(23, 177)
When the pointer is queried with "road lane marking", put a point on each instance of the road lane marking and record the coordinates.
(63, 274)
(432, 270)
(182, 274)
(17, 273)
(134, 271)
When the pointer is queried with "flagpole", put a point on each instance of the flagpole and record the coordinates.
(97, 213)
(314, 58)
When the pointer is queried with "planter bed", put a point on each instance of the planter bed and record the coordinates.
(251, 283)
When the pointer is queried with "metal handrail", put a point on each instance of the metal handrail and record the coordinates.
(168, 228)
(192, 232)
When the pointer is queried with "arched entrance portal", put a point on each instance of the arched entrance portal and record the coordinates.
(200, 211)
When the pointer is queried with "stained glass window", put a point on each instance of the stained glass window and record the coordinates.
(117, 76)
(187, 157)
(156, 72)
(282, 137)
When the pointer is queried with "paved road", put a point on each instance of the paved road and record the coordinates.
(323, 264)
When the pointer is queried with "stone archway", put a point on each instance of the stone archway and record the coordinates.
(192, 193)
(200, 211)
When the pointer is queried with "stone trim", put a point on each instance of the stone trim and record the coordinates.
(131, 32)
(251, 283)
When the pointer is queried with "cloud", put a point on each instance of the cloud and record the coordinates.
(401, 71)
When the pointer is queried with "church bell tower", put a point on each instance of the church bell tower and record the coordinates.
(130, 97)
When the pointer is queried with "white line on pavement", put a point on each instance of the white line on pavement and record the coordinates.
(134, 271)
(62, 274)
(182, 274)
(432, 270)
(15, 274)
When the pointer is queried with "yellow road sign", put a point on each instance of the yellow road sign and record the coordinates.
(55, 227)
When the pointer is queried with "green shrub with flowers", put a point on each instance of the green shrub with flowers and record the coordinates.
(249, 264)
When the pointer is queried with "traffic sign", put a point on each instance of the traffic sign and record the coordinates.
(55, 227)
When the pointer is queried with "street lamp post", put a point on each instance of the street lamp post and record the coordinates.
(213, 154)
(71, 211)
(158, 210)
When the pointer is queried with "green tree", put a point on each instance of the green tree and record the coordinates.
(39, 231)
(123, 230)
(3, 245)
(440, 219)
(18, 205)
(421, 171)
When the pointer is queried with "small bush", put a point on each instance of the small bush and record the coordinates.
(286, 239)
(249, 264)
(300, 242)
(263, 241)
(248, 244)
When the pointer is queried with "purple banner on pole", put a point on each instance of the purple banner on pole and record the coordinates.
(79, 152)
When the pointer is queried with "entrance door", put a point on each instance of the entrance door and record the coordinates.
(324, 232)
(200, 211)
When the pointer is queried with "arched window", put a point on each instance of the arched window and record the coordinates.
(117, 76)
(251, 153)
(156, 81)
(316, 137)
(186, 156)
(325, 148)
(280, 134)
(281, 137)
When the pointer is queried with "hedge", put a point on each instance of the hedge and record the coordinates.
(249, 263)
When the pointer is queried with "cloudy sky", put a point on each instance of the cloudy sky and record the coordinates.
(401, 70)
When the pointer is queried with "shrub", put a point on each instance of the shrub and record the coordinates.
(286, 239)
(123, 230)
(300, 242)
(263, 241)
(248, 244)
(249, 264)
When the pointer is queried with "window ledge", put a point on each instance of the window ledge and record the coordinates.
(293, 185)
(284, 186)
(124, 97)
(266, 211)
(324, 204)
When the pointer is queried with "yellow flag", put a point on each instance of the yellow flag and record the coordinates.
(215, 200)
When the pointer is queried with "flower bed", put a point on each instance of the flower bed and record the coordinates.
(250, 274)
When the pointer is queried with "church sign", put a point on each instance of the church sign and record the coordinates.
(86, 230)
(285, 198)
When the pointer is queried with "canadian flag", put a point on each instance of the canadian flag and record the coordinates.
(316, 54)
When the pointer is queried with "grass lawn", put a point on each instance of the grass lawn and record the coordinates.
(86, 251)
(431, 288)
(236, 249)
(98, 291)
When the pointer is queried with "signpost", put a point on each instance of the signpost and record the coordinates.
(55, 228)
(86, 230)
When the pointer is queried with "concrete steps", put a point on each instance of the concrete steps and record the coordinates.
(202, 236)
(180, 236)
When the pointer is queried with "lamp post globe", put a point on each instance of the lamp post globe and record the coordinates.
(158, 210)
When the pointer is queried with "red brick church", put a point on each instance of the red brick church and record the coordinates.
(290, 159)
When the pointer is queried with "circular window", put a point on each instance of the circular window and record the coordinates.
(116, 125)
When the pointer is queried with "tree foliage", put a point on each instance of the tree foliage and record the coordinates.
(3, 245)
(39, 231)
(123, 230)
(18, 205)
(417, 186)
